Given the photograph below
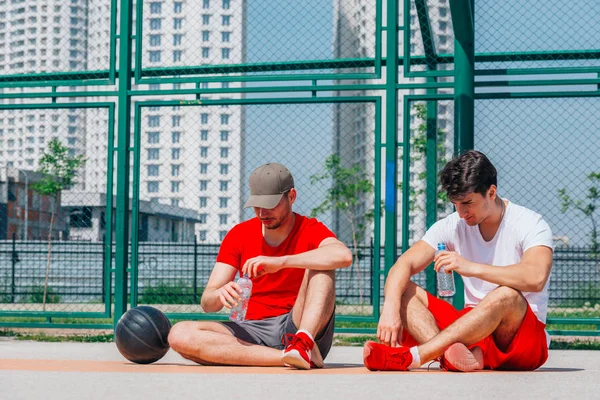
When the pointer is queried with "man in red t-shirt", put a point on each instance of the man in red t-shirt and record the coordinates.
(291, 260)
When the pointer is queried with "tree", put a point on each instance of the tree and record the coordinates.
(349, 185)
(588, 207)
(59, 171)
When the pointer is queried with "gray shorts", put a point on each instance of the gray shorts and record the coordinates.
(268, 332)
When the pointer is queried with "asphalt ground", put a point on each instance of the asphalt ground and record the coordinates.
(89, 371)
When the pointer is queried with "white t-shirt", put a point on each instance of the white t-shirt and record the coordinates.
(520, 230)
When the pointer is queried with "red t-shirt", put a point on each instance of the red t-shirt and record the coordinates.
(272, 294)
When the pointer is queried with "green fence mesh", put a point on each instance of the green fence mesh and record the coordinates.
(220, 87)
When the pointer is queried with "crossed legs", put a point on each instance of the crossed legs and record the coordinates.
(211, 343)
(500, 314)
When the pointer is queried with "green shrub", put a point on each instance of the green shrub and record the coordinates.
(36, 295)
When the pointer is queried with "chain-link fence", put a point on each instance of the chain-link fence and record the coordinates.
(220, 87)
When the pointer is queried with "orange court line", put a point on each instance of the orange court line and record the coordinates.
(118, 366)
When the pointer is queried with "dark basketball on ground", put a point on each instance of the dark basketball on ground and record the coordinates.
(141, 335)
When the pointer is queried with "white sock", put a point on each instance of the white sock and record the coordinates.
(307, 333)
(416, 362)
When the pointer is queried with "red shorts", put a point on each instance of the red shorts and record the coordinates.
(527, 351)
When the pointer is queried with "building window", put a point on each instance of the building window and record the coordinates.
(155, 40)
(223, 219)
(224, 119)
(225, 20)
(224, 136)
(153, 170)
(206, 52)
(175, 137)
(202, 236)
(152, 187)
(205, 4)
(205, 36)
(81, 217)
(176, 120)
(204, 118)
(222, 235)
(177, 23)
(155, 56)
(175, 169)
(203, 202)
(203, 135)
(226, 4)
(177, 55)
(155, 24)
(174, 202)
(175, 154)
(175, 186)
(203, 185)
(204, 168)
(205, 19)
(155, 8)
(225, 37)
(204, 151)
(153, 137)
(223, 185)
(224, 169)
(224, 152)
(154, 120)
(177, 39)
(177, 7)
(202, 218)
(153, 154)
(223, 201)
(225, 54)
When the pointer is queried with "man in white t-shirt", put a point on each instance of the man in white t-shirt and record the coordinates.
(503, 252)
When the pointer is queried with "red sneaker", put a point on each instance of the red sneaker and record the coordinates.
(300, 352)
(380, 357)
(458, 357)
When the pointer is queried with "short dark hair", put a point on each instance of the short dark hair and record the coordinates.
(471, 172)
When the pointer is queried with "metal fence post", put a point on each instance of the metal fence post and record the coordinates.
(103, 267)
(195, 269)
(464, 77)
(14, 259)
(123, 143)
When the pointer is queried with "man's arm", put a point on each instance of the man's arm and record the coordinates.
(413, 261)
(529, 275)
(220, 290)
(331, 254)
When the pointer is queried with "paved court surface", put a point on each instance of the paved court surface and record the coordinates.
(32, 370)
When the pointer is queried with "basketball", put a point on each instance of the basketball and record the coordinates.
(141, 335)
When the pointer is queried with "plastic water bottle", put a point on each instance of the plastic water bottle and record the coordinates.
(445, 281)
(238, 313)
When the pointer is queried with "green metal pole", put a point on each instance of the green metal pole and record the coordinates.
(391, 136)
(123, 141)
(431, 182)
(464, 77)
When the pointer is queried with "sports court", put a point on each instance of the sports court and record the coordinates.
(97, 371)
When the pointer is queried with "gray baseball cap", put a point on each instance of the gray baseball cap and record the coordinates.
(268, 183)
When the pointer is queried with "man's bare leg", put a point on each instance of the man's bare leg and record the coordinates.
(416, 317)
(315, 302)
(211, 343)
(500, 313)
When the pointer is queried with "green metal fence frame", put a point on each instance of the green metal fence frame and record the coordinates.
(464, 85)
(374, 100)
(110, 107)
(80, 78)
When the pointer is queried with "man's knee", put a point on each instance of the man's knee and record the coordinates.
(414, 292)
(180, 335)
(506, 297)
